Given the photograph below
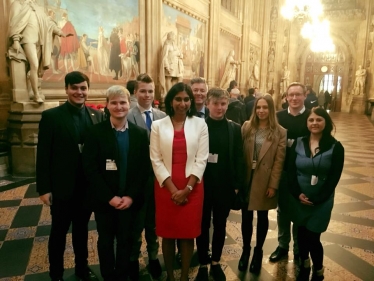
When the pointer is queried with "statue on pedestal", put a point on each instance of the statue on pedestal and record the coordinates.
(172, 68)
(285, 80)
(359, 85)
(231, 66)
(30, 36)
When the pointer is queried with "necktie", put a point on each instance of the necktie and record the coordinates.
(148, 120)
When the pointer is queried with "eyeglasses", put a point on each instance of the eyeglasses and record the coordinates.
(298, 95)
(179, 99)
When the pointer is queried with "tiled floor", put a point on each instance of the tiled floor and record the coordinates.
(348, 242)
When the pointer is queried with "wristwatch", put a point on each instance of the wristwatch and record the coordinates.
(189, 187)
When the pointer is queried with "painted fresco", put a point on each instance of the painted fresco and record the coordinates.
(190, 34)
(228, 43)
(105, 42)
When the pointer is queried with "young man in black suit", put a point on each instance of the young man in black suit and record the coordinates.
(116, 162)
(225, 158)
(59, 174)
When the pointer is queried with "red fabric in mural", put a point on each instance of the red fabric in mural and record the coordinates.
(69, 44)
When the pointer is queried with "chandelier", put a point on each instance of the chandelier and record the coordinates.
(308, 12)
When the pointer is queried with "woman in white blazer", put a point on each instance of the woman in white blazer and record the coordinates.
(179, 152)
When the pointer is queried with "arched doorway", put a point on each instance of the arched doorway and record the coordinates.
(324, 71)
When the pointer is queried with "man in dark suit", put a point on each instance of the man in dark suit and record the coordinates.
(114, 153)
(143, 114)
(59, 174)
(250, 101)
(200, 88)
(225, 158)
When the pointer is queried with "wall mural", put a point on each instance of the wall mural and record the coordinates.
(105, 42)
(228, 59)
(189, 36)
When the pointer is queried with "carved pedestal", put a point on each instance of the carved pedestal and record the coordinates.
(23, 127)
(371, 108)
(358, 104)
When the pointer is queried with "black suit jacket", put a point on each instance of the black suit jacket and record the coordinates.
(101, 145)
(58, 161)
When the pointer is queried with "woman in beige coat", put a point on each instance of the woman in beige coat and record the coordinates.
(264, 146)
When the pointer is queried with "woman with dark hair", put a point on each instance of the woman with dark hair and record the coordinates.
(315, 165)
(264, 145)
(179, 153)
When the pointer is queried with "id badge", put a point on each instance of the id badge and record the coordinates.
(111, 165)
(254, 164)
(314, 180)
(213, 158)
(290, 142)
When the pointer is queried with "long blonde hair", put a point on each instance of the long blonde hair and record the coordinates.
(250, 127)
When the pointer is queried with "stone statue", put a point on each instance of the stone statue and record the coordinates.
(231, 66)
(31, 34)
(359, 85)
(285, 80)
(172, 68)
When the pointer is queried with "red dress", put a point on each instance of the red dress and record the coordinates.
(174, 221)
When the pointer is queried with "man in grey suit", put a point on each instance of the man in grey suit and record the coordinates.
(142, 115)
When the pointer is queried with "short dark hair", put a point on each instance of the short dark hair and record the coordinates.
(176, 89)
(251, 91)
(130, 86)
(76, 77)
(144, 78)
(233, 84)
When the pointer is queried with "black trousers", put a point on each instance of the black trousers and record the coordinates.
(114, 225)
(219, 208)
(64, 213)
(310, 242)
(247, 228)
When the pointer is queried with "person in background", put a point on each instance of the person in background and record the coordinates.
(321, 99)
(178, 187)
(284, 101)
(264, 145)
(225, 157)
(311, 98)
(114, 153)
(327, 100)
(130, 86)
(236, 110)
(251, 96)
(200, 88)
(315, 165)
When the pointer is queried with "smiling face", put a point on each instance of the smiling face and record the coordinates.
(296, 98)
(262, 110)
(181, 103)
(199, 92)
(118, 106)
(217, 108)
(145, 94)
(316, 124)
(77, 93)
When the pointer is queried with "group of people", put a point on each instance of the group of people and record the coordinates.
(172, 173)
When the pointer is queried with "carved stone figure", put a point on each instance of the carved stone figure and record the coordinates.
(172, 68)
(285, 79)
(231, 66)
(359, 85)
(31, 39)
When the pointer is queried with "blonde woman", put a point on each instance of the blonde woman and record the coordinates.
(264, 146)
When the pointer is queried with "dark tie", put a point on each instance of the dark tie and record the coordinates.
(148, 120)
(200, 114)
